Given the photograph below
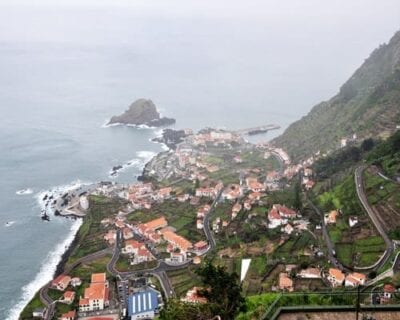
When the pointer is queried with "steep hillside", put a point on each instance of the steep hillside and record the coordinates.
(368, 104)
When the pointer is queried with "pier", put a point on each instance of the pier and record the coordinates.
(259, 129)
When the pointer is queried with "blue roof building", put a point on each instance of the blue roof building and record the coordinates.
(142, 305)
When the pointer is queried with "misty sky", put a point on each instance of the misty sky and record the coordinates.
(77, 20)
(252, 45)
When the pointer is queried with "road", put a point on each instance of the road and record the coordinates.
(328, 241)
(206, 224)
(159, 271)
(45, 298)
(358, 179)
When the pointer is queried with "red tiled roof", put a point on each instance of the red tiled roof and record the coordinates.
(98, 277)
(274, 215)
(156, 223)
(70, 314)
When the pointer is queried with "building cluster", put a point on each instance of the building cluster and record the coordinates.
(96, 296)
(333, 276)
(338, 278)
(215, 138)
(288, 219)
(142, 195)
(286, 279)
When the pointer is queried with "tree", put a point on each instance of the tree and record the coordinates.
(222, 290)
(297, 196)
(367, 144)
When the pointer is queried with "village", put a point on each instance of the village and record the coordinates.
(214, 196)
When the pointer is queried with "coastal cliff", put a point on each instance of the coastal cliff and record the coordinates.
(142, 112)
(367, 106)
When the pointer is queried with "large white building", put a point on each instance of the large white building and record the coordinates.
(143, 305)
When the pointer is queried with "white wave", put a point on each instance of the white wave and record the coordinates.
(142, 158)
(165, 147)
(106, 124)
(146, 155)
(131, 163)
(141, 126)
(159, 133)
(9, 223)
(45, 197)
(46, 272)
(24, 191)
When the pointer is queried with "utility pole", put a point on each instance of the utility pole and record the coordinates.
(358, 302)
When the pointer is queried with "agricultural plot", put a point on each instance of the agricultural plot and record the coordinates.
(384, 196)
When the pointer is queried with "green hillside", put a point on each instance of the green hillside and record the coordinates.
(368, 104)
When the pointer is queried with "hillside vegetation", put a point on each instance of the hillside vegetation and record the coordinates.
(368, 104)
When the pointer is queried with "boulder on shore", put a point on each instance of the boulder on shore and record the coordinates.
(142, 112)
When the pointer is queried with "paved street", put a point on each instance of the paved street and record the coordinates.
(358, 179)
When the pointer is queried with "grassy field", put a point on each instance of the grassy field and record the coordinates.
(384, 196)
(35, 303)
(344, 197)
(360, 253)
(84, 271)
(358, 246)
(381, 190)
(90, 234)
(183, 280)
(292, 251)
(123, 265)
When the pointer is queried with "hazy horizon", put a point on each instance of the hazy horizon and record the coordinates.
(264, 41)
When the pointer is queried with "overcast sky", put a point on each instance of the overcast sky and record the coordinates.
(50, 19)
(221, 48)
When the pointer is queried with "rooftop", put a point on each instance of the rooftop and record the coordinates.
(141, 302)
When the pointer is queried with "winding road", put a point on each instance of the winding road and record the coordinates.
(329, 244)
(359, 181)
(43, 295)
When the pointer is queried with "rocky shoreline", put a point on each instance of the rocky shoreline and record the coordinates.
(171, 138)
(65, 256)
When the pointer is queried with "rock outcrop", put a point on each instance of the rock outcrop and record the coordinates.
(142, 112)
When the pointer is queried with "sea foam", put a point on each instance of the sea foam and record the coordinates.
(142, 158)
(106, 124)
(24, 191)
(46, 272)
(57, 192)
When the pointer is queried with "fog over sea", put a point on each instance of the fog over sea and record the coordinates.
(67, 71)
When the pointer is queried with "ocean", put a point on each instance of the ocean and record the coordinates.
(57, 93)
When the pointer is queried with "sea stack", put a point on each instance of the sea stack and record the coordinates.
(142, 112)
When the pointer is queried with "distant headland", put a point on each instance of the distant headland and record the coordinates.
(142, 112)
